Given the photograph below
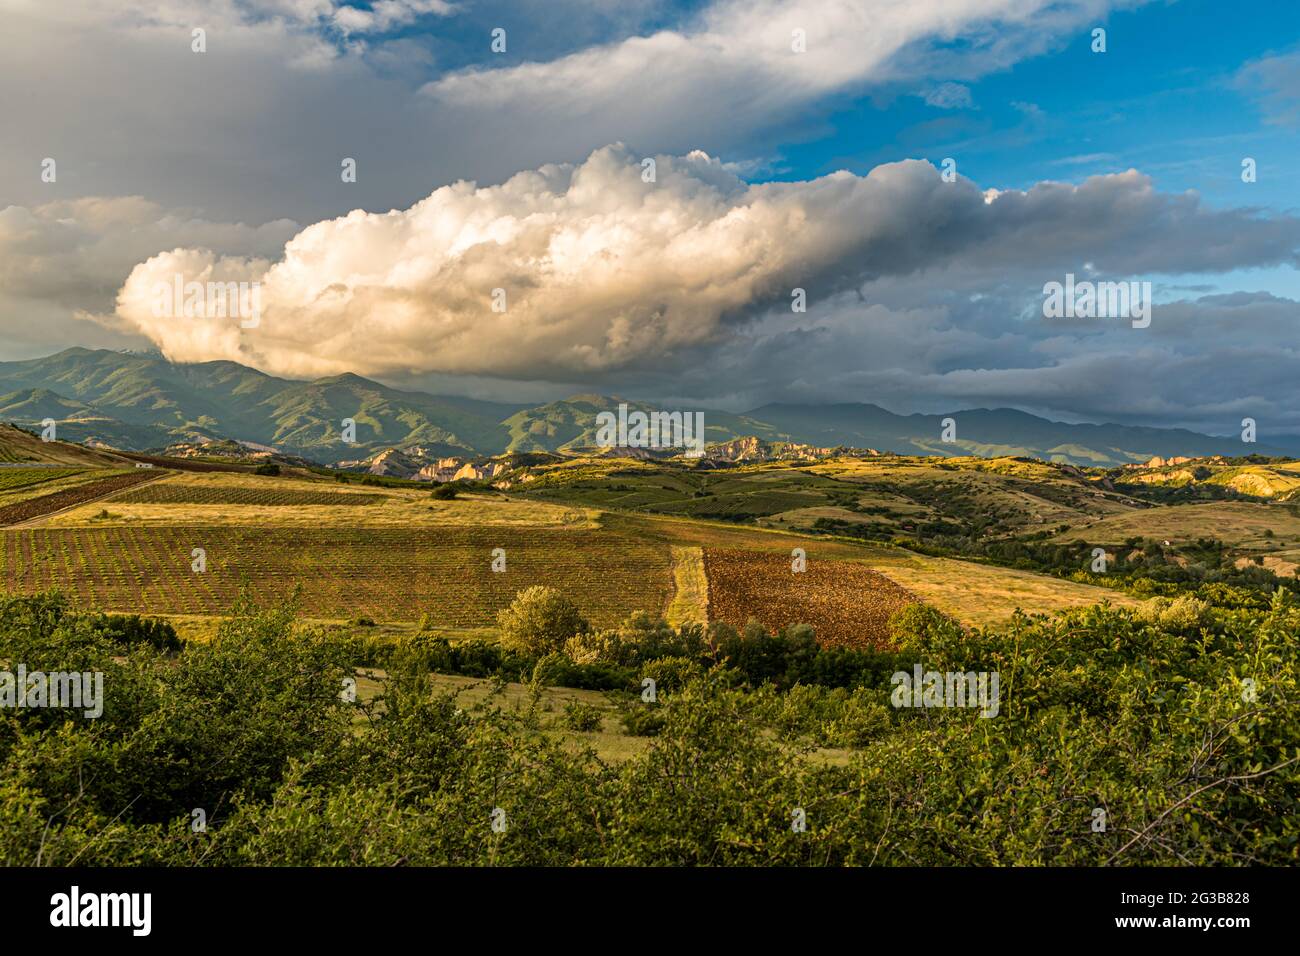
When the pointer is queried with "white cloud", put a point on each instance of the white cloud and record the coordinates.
(1275, 82)
(604, 272)
(950, 96)
(734, 69)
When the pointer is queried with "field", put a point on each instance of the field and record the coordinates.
(397, 555)
(174, 493)
(847, 603)
(1250, 526)
(18, 478)
(384, 573)
(891, 495)
(35, 507)
(975, 594)
(240, 500)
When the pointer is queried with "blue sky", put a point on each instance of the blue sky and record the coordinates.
(1163, 98)
(1170, 96)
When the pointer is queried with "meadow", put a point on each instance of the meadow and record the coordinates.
(396, 555)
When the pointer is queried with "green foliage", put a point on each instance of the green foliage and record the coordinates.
(539, 621)
(671, 674)
(917, 625)
(129, 629)
(445, 492)
(582, 717)
(639, 638)
(1181, 615)
(267, 468)
(1182, 723)
(642, 719)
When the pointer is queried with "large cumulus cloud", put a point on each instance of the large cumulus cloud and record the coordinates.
(605, 273)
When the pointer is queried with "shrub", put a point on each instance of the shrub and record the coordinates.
(133, 629)
(1177, 615)
(858, 721)
(445, 492)
(671, 673)
(638, 639)
(267, 468)
(539, 621)
(643, 720)
(582, 717)
(550, 670)
(761, 657)
(590, 647)
(917, 624)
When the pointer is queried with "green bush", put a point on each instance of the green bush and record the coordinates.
(671, 673)
(642, 720)
(539, 621)
(129, 629)
(1189, 741)
(582, 717)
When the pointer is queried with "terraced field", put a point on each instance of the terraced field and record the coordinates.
(35, 507)
(173, 493)
(847, 603)
(388, 574)
(16, 478)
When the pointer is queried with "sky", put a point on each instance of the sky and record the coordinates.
(920, 169)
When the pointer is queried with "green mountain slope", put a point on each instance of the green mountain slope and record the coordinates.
(141, 400)
(571, 424)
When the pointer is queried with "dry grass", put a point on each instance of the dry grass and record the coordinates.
(386, 507)
(983, 594)
(690, 603)
(1238, 524)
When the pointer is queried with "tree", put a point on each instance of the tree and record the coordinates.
(539, 621)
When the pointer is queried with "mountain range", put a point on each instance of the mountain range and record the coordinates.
(140, 401)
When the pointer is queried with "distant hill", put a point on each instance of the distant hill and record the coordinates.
(142, 401)
(571, 424)
(21, 447)
(992, 433)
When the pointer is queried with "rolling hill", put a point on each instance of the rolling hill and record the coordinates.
(141, 401)
(18, 447)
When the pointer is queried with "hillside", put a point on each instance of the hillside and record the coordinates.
(991, 433)
(571, 424)
(1255, 476)
(142, 401)
(18, 446)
